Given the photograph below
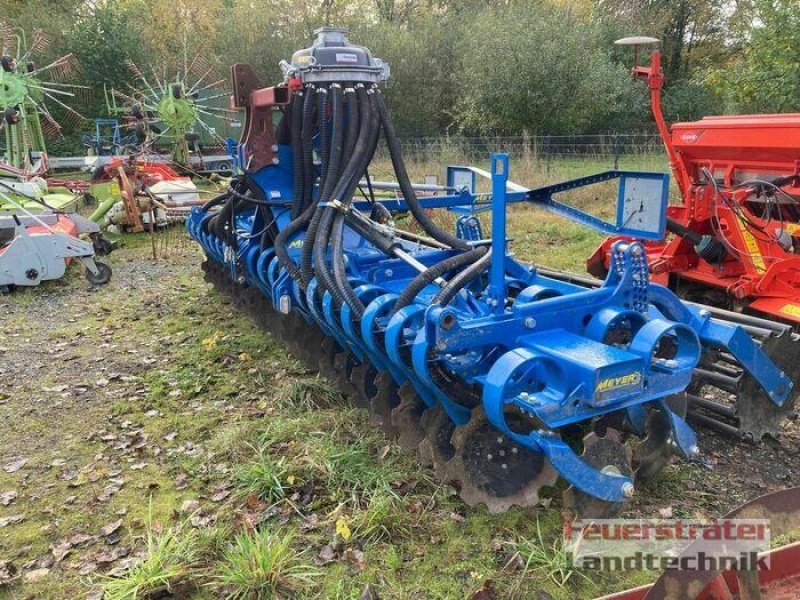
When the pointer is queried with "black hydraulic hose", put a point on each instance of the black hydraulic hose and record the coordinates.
(410, 196)
(366, 229)
(281, 251)
(373, 135)
(324, 135)
(357, 110)
(343, 193)
(299, 220)
(322, 239)
(457, 283)
(296, 116)
(270, 231)
(340, 270)
(351, 100)
(307, 136)
(307, 252)
(324, 274)
(216, 223)
(331, 177)
(417, 284)
(215, 201)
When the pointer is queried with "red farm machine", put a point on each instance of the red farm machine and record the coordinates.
(736, 229)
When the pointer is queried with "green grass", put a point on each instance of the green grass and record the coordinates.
(262, 565)
(167, 562)
(535, 556)
(266, 477)
(379, 516)
(306, 393)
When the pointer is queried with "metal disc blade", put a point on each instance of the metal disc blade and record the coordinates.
(406, 417)
(494, 470)
(607, 454)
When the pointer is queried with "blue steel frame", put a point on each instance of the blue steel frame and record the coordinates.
(544, 354)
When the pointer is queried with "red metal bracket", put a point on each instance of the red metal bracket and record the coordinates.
(258, 134)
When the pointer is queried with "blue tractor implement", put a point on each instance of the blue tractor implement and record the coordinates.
(504, 376)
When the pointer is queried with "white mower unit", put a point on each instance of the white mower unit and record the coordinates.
(32, 250)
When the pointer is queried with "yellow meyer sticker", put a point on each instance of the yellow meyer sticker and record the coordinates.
(613, 383)
(114, 188)
(791, 309)
(752, 248)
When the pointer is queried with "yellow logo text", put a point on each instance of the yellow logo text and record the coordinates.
(613, 383)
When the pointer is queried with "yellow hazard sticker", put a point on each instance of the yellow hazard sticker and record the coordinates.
(114, 188)
(752, 248)
(792, 228)
(791, 309)
(614, 383)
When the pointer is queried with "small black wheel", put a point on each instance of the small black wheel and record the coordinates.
(11, 116)
(103, 275)
(102, 247)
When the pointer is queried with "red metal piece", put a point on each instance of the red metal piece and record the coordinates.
(64, 225)
(758, 225)
(258, 134)
(135, 176)
(73, 185)
(148, 172)
(780, 582)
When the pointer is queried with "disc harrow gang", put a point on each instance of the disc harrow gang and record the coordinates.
(487, 468)
(493, 370)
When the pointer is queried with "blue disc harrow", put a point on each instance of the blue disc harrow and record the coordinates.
(506, 377)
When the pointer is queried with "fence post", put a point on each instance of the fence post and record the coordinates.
(616, 151)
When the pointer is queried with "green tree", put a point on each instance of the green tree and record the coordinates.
(542, 70)
(764, 76)
(688, 29)
(103, 37)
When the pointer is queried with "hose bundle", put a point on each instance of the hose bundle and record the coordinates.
(346, 124)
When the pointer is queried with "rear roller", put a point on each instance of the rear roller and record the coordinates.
(725, 397)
